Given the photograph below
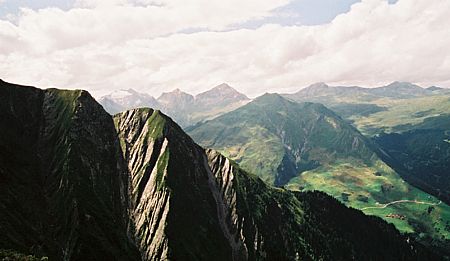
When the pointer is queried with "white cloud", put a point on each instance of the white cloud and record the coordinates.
(102, 47)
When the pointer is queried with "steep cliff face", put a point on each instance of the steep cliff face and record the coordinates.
(147, 163)
(172, 206)
(63, 184)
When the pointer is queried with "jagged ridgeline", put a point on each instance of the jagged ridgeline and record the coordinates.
(76, 184)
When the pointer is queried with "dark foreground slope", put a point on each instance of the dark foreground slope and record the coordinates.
(62, 184)
(71, 190)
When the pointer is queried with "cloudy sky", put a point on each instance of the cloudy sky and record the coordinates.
(256, 46)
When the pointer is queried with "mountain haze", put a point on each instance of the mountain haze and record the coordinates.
(125, 99)
(185, 108)
(321, 92)
(221, 95)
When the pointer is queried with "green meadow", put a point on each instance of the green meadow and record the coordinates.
(369, 188)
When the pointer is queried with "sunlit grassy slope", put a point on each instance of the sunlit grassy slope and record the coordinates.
(272, 137)
(402, 115)
(367, 189)
(414, 132)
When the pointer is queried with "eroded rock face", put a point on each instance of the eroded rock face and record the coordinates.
(252, 214)
(146, 153)
(172, 205)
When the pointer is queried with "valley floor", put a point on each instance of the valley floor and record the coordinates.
(403, 201)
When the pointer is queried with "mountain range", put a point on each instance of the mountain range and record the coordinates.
(410, 125)
(307, 147)
(321, 92)
(400, 109)
(412, 128)
(188, 110)
(184, 108)
(79, 184)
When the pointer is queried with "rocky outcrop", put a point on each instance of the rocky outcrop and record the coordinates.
(222, 185)
(147, 165)
(173, 208)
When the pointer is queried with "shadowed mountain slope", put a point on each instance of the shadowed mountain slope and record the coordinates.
(62, 184)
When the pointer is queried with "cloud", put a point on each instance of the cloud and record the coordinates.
(101, 46)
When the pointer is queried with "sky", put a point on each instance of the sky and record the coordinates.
(156, 46)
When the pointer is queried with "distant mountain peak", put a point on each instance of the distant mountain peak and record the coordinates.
(122, 93)
(223, 86)
(434, 88)
(175, 99)
(274, 100)
(318, 85)
(399, 84)
(314, 89)
(271, 96)
(123, 99)
(219, 94)
(221, 89)
(177, 92)
(399, 90)
(183, 107)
